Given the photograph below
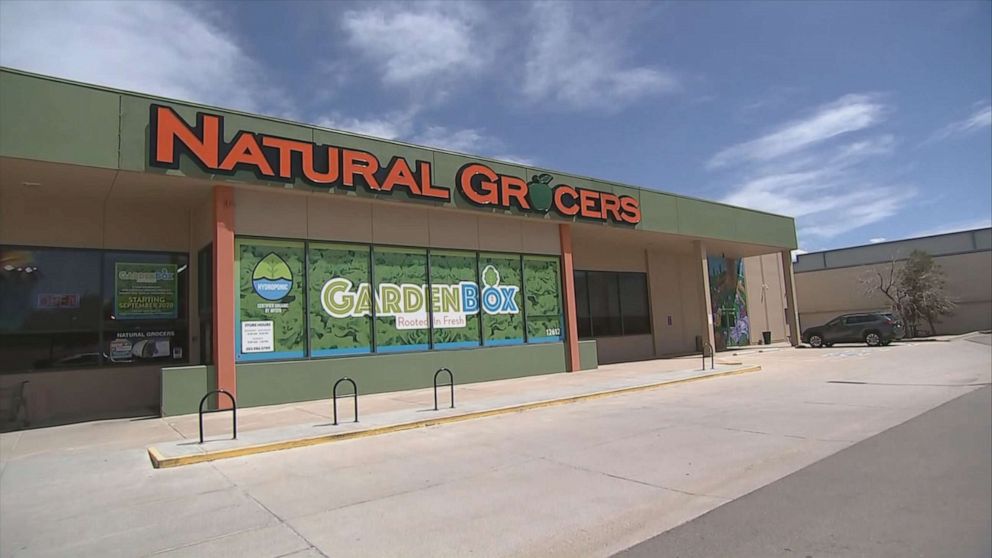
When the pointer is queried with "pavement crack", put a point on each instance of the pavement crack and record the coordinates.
(747, 431)
(176, 430)
(635, 481)
(282, 521)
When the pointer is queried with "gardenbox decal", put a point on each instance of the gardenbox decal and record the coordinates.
(274, 158)
(407, 303)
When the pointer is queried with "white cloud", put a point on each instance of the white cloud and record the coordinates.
(876, 240)
(424, 46)
(980, 118)
(849, 113)
(828, 187)
(154, 47)
(402, 125)
(468, 140)
(394, 125)
(517, 159)
(857, 210)
(954, 226)
(580, 64)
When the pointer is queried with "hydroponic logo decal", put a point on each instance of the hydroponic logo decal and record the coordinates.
(272, 278)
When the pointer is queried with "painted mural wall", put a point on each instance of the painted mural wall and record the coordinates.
(731, 326)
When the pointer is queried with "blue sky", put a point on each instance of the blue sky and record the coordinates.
(864, 120)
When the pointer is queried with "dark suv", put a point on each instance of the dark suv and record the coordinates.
(873, 328)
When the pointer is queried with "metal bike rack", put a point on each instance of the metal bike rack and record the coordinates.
(712, 356)
(233, 409)
(334, 394)
(451, 383)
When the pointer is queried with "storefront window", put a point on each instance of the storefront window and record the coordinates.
(604, 304)
(340, 297)
(401, 320)
(502, 320)
(634, 311)
(271, 318)
(542, 281)
(22, 352)
(144, 307)
(66, 308)
(610, 303)
(363, 299)
(49, 290)
(454, 299)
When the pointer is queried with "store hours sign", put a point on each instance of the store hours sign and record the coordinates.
(274, 158)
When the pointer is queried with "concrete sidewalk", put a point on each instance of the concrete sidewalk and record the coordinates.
(265, 429)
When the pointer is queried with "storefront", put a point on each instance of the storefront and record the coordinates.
(152, 250)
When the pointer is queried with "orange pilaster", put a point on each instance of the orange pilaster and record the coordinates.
(572, 362)
(224, 287)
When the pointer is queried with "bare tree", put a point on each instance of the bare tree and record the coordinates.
(887, 282)
(924, 282)
(915, 290)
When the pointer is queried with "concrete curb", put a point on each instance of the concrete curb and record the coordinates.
(160, 461)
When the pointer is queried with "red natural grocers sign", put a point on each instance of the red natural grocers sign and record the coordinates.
(328, 166)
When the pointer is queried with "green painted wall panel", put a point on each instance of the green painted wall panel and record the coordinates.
(446, 168)
(267, 384)
(588, 355)
(384, 151)
(699, 218)
(183, 386)
(55, 121)
(285, 382)
(762, 228)
(659, 212)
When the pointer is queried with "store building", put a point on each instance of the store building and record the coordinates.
(155, 249)
(835, 282)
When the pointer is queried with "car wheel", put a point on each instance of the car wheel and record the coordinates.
(815, 341)
(873, 339)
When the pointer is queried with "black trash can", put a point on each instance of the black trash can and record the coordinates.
(766, 336)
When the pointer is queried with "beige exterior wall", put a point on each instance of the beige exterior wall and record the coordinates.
(766, 301)
(824, 294)
(674, 281)
(344, 218)
(673, 291)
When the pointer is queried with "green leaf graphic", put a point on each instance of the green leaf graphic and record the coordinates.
(272, 267)
(490, 277)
